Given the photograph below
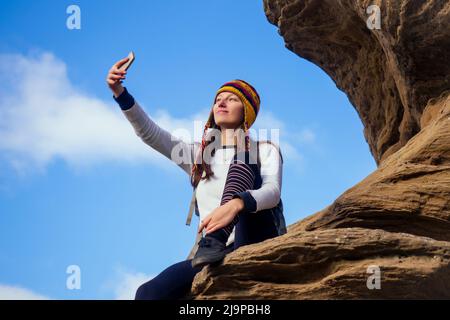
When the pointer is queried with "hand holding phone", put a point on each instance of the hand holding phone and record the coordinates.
(117, 74)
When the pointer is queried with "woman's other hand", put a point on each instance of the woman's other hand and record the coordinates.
(116, 76)
(222, 216)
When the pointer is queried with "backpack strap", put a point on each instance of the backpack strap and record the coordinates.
(191, 208)
(193, 203)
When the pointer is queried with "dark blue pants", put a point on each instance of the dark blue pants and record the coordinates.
(175, 281)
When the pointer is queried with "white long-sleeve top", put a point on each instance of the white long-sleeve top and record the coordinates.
(209, 192)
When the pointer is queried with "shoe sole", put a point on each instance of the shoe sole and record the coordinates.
(203, 261)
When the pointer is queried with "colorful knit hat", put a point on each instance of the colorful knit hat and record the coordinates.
(251, 101)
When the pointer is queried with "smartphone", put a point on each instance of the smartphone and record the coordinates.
(127, 64)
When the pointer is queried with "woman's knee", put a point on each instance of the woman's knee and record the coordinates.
(244, 163)
(171, 283)
(147, 291)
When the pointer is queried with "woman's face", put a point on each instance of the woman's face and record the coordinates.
(228, 110)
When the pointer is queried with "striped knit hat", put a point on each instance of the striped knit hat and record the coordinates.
(251, 101)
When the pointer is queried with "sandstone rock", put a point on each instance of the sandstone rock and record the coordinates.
(330, 264)
(388, 74)
(409, 192)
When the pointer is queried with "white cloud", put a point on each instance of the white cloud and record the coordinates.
(19, 293)
(44, 117)
(128, 284)
(289, 138)
(306, 136)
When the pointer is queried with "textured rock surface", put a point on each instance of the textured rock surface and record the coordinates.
(330, 264)
(398, 218)
(409, 192)
(388, 74)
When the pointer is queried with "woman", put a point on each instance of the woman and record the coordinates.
(234, 194)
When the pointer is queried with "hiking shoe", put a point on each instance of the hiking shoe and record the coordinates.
(209, 250)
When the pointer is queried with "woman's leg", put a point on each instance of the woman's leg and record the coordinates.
(242, 175)
(171, 284)
(254, 227)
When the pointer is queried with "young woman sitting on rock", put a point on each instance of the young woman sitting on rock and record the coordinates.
(235, 193)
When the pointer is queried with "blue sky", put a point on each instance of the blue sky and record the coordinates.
(78, 187)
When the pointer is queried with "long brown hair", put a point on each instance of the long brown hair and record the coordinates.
(203, 167)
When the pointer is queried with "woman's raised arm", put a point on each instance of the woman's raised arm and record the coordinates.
(158, 138)
(175, 149)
